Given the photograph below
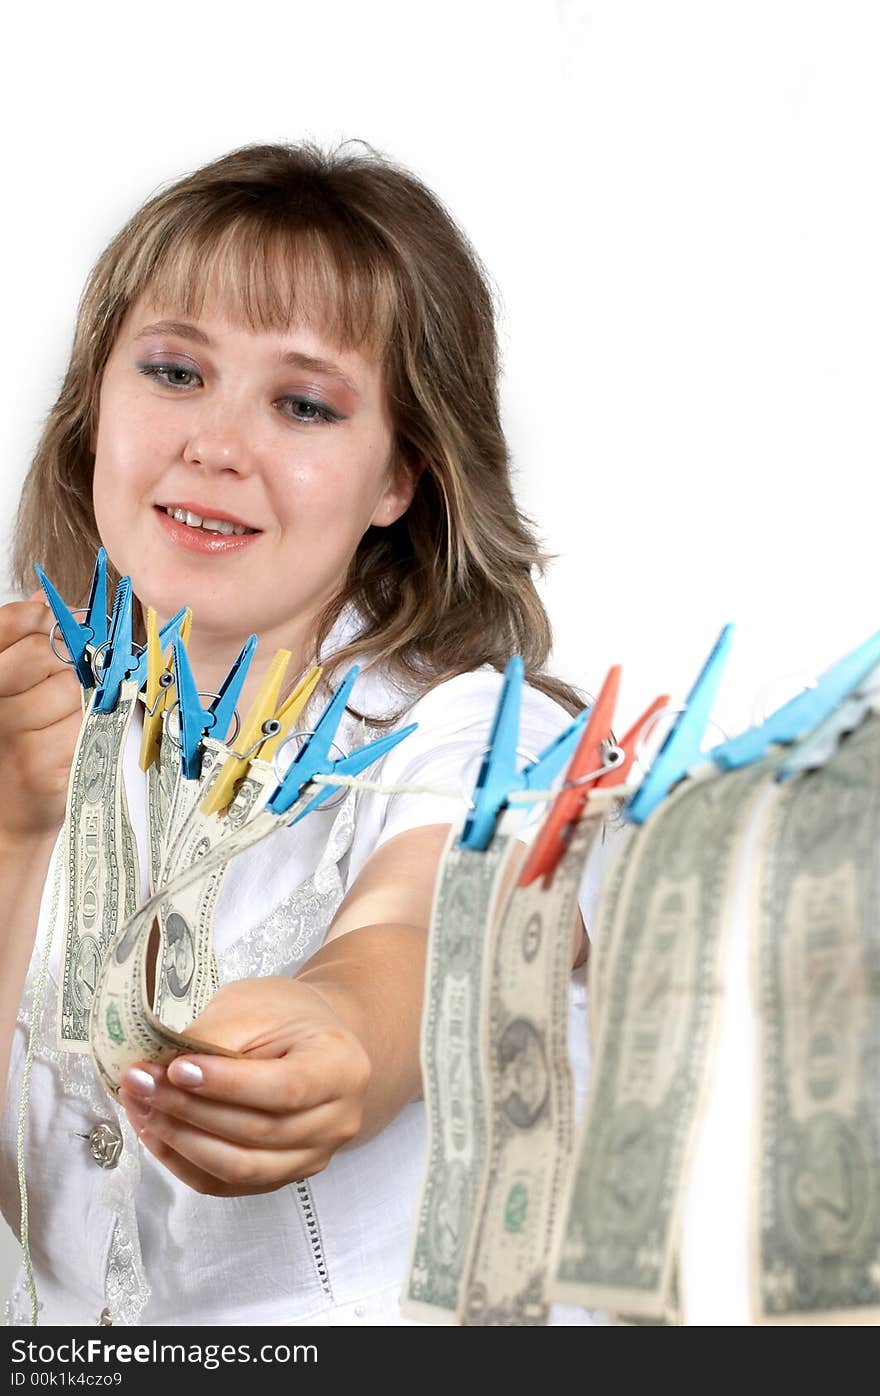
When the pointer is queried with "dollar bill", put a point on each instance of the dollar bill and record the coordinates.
(131, 863)
(163, 777)
(600, 931)
(530, 1095)
(187, 976)
(103, 876)
(122, 1026)
(816, 1168)
(616, 1246)
(467, 891)
(671, 1319)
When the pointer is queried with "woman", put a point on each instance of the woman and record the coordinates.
(298, 347)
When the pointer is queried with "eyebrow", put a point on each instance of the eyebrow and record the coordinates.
(294, 357)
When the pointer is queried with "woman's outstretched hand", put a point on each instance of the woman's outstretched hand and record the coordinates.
(331, 1056)
(229, 1126)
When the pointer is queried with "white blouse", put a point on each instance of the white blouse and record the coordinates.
(132, 1244)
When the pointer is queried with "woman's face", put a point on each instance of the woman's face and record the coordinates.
(277, 431)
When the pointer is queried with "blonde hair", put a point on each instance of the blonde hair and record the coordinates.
(282, 229)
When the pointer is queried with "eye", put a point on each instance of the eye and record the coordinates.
(306, 410)
(301, 409)
(169, 375)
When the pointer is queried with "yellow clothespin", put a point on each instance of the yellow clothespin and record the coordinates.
(157, 698)
(261, 711)
(290, 711)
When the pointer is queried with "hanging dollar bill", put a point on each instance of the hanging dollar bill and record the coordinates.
(163, 778)
(606, 912)
(615, 1248)
(122, 1027)
(671, 1319)
(466, 896)
(103, 876)
(187, 976)
(817, 1154)
(530, 1094)
(130, 856)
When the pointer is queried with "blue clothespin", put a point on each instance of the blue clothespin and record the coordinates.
(118, 656)
(819, 745)
(194, 720)
(680, 751)
(225, 704)
(498, 777)
(93, 630)
(313, 758)
(802, 713)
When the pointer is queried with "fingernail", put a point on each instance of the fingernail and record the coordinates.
(185, 1073)
(139, 1082)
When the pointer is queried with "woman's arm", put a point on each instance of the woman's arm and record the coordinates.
(23, 866)
(371, 969)
(332, 1055)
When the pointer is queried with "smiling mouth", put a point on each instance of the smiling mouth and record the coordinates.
(205, 525)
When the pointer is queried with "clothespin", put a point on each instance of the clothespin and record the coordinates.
(158, 679)
(179, 624)
(819, 745)
(118, 657)
(629, 743)
(121, 663)
(680, 751)
(498, 777)
(167, 702)
(802, 713)
(313, 759)
(289, 711)
(224, 705)
(93, 630)
(194, 720)
(566, 810)
(261, 713)
(152, 730)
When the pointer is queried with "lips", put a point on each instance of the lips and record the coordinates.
(207, 512)
(200, 540)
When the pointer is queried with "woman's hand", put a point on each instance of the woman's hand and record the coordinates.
(331, 1056)
(40, 721)
(252, 1124)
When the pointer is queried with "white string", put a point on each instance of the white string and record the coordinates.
(360, 783)
(377, 788)
(24, 1100)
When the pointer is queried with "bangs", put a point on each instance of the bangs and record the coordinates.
(268, 278)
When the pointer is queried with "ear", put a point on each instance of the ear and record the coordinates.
(398, 493)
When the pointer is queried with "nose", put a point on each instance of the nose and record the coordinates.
(217, 441)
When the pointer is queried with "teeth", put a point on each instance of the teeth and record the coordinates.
(185, 516)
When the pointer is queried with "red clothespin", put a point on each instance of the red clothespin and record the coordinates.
(566, 810)
(618, 774)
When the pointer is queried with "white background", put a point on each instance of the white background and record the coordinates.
(679, 205)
